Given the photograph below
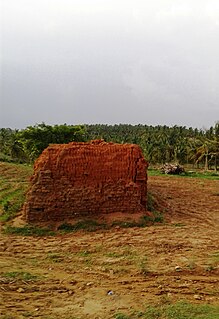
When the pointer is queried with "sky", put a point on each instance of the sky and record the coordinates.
(109, 61)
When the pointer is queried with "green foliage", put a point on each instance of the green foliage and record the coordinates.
(189, 173)
(13, 186)
(55, 258)
(144, 221)
(205, 175)
(35, 139)
(179, 310)
(152, 206)
(92, 225)
(11, 149)
(28, 231)
(151, 202)
(143, 266)
(127, 224)
(20, 275)
(160, 144)
(121, 316)
(11, 203)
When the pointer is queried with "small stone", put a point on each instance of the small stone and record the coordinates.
(20, 290)
(197, 297)
(178, 268)
(90, 283)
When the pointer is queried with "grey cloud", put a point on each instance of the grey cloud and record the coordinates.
(110, 62)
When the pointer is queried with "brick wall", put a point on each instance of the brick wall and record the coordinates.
(84, 179)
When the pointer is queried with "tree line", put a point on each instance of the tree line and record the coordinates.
(160, 144)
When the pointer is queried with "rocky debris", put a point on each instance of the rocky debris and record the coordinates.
(197, 297)
(86, 179)
(174, 169)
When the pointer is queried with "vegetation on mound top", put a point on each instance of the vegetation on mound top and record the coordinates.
(179, 310)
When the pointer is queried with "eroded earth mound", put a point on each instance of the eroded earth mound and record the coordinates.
(86, 179)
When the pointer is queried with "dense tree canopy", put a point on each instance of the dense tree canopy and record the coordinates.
(160, 144)
(26, 145)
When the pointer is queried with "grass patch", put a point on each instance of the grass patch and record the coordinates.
(154, 172)
(179, 310)
(193, 174)
(151, 202)
(55, 258)
(152, 206)
(126, 224)
(11, 204)
(215, 256)
(28, 231)
(121, 316)
(179, 225)
(13, 186)
(114, 254)
(205, 175)
(19, 275)
(84, 253)
(144, 221)
(143, 266)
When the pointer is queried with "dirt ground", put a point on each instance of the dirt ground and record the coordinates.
(98, 274)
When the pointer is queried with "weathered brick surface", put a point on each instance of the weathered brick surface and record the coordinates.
(84, 179)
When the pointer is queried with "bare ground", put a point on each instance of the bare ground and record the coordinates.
(98, 274)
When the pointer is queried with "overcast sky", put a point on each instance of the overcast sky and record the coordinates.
(109, 61)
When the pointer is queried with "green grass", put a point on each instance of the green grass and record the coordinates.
(143, 266)
(84, 253)
(92, 225)
(28, 231)
(154, 172)
(179, 225)
(145, 221)
(13, 186)
(215, 256)
(12, 203)
(205, 175)
(212, 175)
(55, 258)
(19, 275)
(179, 310)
